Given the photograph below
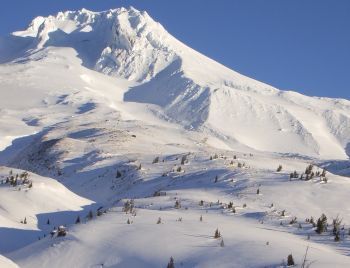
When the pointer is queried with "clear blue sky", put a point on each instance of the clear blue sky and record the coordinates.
(301, 45)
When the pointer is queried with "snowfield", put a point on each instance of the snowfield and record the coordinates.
(123, 147)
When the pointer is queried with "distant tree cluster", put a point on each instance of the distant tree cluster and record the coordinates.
(18, 179)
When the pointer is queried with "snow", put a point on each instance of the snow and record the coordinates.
(88, 100)
(46, 198)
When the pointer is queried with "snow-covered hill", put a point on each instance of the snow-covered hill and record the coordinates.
(104, 107)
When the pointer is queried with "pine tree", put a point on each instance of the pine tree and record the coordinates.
(201, 218)
(159, 221)
(183, 159)
(258, 191)
(217, 234)
(77, 220)
(177, 204)
(290, 260)
(25, 220)
(336, 229)
(312, 221)
(321, 225)
(279, 168)
(294, 220)
(216, 179)
(90, 215)
(48, 222)
(337, 237)
(171, 263)
(222, 244)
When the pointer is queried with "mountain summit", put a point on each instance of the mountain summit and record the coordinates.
(191, 89)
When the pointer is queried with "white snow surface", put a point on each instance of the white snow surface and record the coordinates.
(88, 100)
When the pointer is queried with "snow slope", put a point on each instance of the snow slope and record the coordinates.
(89, 100)
(46, 199)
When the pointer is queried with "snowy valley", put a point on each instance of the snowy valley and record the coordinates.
(120, 146)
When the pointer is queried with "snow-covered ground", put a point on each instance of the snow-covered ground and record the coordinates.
(101, 108)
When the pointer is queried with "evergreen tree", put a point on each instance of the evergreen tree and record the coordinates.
(183, 159)
(171, 263)
(222, 244)
(90, 215)
(216, 179)
(290, 260)
(217, 234)
(77, 220)
(177, 204)
(321, 225)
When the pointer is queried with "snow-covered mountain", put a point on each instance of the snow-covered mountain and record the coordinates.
(103, 107)
(192, 89)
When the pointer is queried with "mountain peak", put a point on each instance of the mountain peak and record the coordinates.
(122, 42)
